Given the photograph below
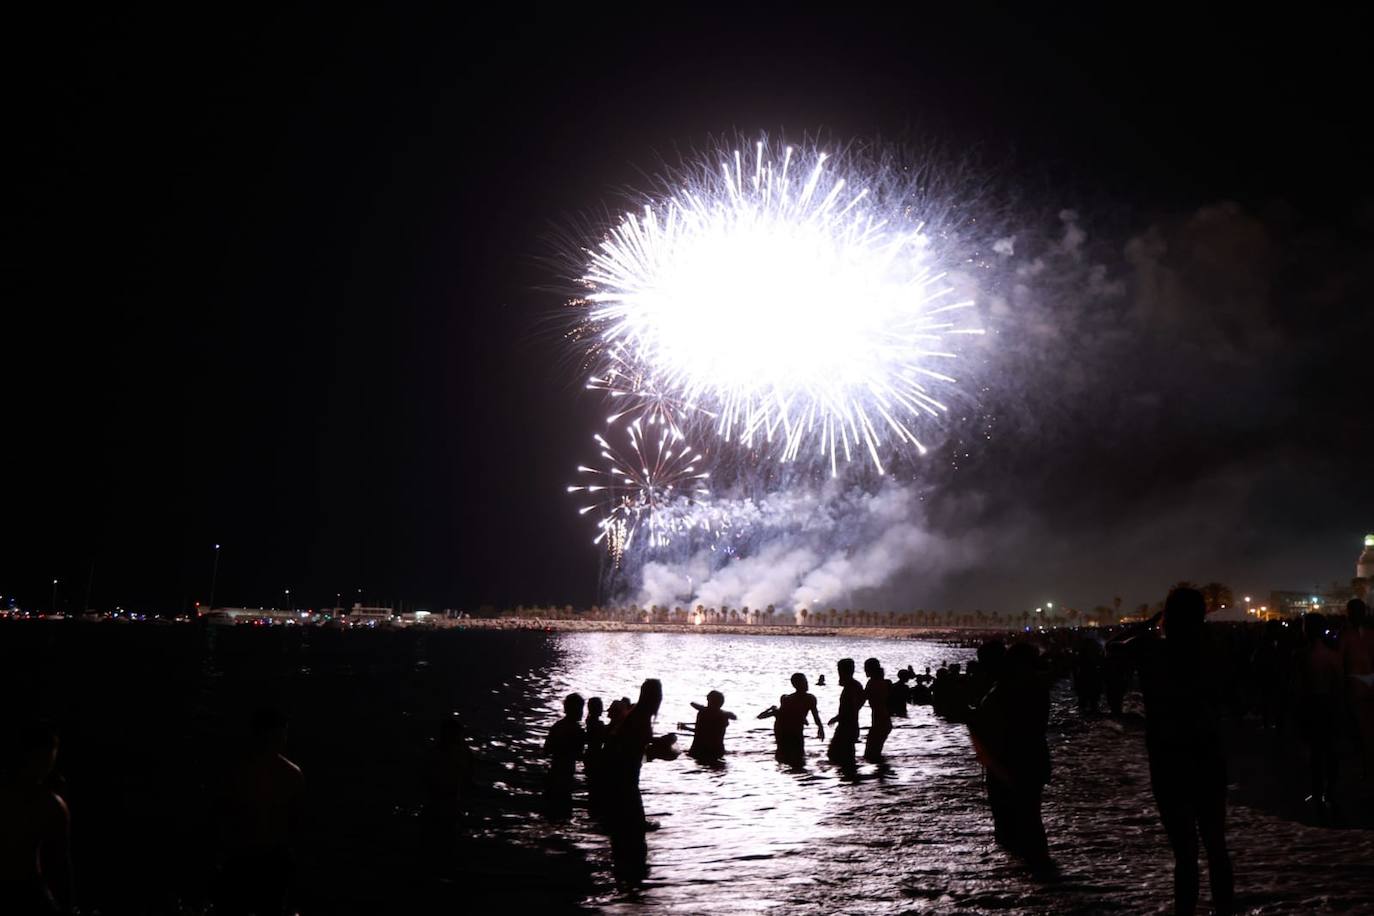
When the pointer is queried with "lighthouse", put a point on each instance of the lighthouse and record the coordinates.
(1364, 566)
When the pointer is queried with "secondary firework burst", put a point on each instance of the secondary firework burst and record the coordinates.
(634, 488)
(781, 302)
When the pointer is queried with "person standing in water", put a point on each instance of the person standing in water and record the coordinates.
(627, 747)
(846, 734)
(1178, 680)
(876, 693)
(566, 743)
(708, 736)
(1008, 729)
(789, 722)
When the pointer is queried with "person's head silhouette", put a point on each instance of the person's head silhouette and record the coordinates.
(650, 697)
(1020, 660)
(573, 705)
(1313, 627)
(799, 682)
(451, 730)
(845, 667)
(1184, 611)
(715, 699)
(594, 708)
(872, 668)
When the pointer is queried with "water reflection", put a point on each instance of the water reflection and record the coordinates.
(775, 834)
(910, 836)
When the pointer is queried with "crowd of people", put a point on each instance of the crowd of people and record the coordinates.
(1190, 676)
(1317, 678)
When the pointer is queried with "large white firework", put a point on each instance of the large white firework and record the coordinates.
(635, 486)
(784, 302)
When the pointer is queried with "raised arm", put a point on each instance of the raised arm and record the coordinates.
(1129, 636)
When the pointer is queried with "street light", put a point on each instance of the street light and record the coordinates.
(54, 595)
(214, 575)
(289, 607)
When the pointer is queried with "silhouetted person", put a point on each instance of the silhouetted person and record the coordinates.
(1319, 683)
(616, 713)
(35, 850)
(708, 735)
(1087, 675)
(1182, 736)
(595, 728)
(991, 654)
(846, 721)
(448, 779)
(949, 694)
(820, 680)
(789, 722)
(597, 731)
(262, 805)
(1357, 661)
(876, 693)
(1116, 677)
(900, 695)
(920, 690)
(1269, 665)
(627, 747)
(565, 743)
(1009, 728)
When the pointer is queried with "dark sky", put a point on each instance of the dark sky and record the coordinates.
(285, 284)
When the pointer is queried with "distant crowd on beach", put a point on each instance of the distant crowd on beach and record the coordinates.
(1314, 679)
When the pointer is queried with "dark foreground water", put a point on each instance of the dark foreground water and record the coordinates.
(149, 715)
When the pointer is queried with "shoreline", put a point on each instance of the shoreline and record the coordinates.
(619, 626)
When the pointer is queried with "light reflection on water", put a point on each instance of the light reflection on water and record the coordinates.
(911, 836)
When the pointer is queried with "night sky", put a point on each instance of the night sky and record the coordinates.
(290, 284)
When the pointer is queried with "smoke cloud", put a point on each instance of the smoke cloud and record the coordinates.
(1149, 405)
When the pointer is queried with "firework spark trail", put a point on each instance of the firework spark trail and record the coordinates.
(799, 316)
(635, 485)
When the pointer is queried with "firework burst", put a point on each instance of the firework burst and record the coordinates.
(634, 487)
(781, 302)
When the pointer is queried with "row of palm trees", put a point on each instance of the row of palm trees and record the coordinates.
(1217, 596)
(828, 617)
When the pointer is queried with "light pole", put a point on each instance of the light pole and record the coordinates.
(214, 575)
(54, 595)
(289, 606)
